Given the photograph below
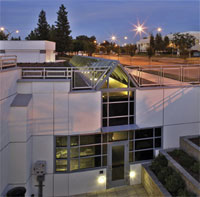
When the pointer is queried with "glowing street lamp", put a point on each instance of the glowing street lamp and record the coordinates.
(125, 37)
(9, 33)
(139, 28)
(159, 29)
(113, 38)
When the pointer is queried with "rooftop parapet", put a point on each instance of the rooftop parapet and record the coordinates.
(8, 61)
(152, 76)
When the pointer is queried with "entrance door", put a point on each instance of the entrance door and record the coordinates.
(118, 165)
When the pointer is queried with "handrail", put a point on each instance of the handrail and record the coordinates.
(8, 61)
(81, 77)
(165, 75)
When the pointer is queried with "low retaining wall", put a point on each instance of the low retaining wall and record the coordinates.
(192, 184)
(189, 147)
(151, 184)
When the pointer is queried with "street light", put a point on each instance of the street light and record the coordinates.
(139, 28)
(9, 33)
(159, 29)
(113, 38)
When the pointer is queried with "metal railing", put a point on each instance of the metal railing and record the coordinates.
(81, 78)
(165, 75)
(8, 61)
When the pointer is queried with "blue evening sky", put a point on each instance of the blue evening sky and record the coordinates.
(103, 18)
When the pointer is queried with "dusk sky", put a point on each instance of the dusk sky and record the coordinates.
(103, 18)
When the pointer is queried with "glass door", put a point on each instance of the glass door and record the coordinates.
(118, 165)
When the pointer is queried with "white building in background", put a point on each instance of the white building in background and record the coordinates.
(143, 43)
(92, 126)
(28, 51)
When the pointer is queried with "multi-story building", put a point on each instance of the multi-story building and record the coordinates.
(93, 123)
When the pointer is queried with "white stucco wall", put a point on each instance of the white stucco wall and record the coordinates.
(149, 107)
(84, 113)
(29, 51)
(8, 89)
(176, 109)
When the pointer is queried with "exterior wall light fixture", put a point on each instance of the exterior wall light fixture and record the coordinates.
(132, 174)
(101, 179)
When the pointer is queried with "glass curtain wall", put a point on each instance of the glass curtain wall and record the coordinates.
(80, 152)
(117, 99)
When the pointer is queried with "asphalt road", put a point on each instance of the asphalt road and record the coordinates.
(144, 61)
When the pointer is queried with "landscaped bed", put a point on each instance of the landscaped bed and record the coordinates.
(187, 162)
(195, 140)
(170, 179)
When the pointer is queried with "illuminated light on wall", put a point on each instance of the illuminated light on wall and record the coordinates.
(101, 179)
(132, 174)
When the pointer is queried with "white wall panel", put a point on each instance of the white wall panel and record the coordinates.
(84, 182)
(43, 114)
(171, 134)
(181, 105)
(84, 112)
(61, 184)
(136, 168)
(17, 163)
(43, 149)
(61, 114)
(149, 107)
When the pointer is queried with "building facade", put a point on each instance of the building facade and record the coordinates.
(93, 128)
(29, 51)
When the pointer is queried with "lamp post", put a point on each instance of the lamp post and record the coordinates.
(8, 32)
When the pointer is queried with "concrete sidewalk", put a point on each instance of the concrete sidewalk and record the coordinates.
(123, 191)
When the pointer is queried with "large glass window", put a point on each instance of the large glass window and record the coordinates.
(90, 151)
(118, 108)
(61, 154)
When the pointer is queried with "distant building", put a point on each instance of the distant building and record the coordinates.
(29, 51)
(143, 43)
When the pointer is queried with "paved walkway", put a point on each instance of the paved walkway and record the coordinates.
(123, 191)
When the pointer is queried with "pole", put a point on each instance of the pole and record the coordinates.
(40, 180)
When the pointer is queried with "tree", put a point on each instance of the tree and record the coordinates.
(3, 36)
(42, 32)
(52, 33)
(13, 38)
(159, 45)
(166, 42)
(43, 27)
(152, 41)
(84, 43)
(33, 35)
(108, 46)
(63, 38)
(183, 42)
(151, 48)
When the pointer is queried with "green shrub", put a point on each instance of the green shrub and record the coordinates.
(158, 163)
(163, 173)
(195, 168)
(173, 183)
(183, 158)
(185, 193)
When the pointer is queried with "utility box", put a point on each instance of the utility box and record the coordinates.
(39, 168)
